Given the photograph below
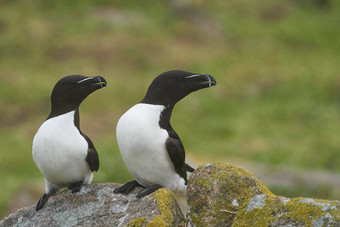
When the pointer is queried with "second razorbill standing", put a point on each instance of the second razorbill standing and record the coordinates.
(151, 149)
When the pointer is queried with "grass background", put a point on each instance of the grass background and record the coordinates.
(277, 101)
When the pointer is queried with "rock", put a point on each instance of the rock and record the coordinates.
(97, 205)
(218, 195)
(226, 195)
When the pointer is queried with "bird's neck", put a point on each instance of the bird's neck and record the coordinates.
(60, 111)
(77, 119)
(60, 108)
(164, 121)
(157, 97)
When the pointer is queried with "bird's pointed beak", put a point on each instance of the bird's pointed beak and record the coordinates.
(99, 81)
(203, 80)
(95, 81)
(209, 80)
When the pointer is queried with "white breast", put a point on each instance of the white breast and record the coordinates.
(59, 151)
(142, 144)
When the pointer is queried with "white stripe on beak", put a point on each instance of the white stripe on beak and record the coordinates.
(100, 81)
(84, 80)
(209, 80)
(196, 75)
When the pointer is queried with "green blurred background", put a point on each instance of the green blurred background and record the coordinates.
(275, 109)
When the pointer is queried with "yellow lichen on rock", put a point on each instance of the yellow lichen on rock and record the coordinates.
(157, 221)
(218, 190)
(280, 211)
(309, 211)
(260, 215)
(137, 222)
(223, 194)
(166, 202)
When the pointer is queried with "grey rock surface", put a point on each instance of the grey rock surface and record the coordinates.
(97, 205)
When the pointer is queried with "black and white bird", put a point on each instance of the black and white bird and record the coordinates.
(62, 152)
(151, 149)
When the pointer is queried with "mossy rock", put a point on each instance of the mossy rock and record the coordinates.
(171, 215)
(98, 205)
(223, 194)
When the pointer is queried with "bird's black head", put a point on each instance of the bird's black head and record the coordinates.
(170, 87)
(70, 91)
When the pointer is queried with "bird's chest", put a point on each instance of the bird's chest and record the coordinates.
(59, 140)
(139, 133)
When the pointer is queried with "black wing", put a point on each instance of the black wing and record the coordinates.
(177, 156)
(174, 145)
(92, 159)
(92, 155)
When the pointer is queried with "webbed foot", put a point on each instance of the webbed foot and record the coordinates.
(75, 187)
(148, 191)
(128, 187)
(43, 199)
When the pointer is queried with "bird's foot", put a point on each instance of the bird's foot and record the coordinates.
(128, 187)
(43, 199)
(148, 191)
(75, 187)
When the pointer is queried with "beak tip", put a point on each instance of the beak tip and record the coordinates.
(101, 80)
(211, 79)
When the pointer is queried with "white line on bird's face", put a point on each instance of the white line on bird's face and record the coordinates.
(80, 81)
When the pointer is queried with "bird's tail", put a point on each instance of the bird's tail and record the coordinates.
(188, 168)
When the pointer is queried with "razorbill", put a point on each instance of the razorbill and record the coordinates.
(62, 152)
(151, 149)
